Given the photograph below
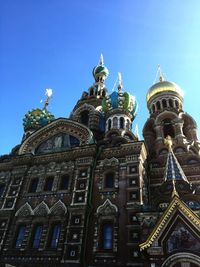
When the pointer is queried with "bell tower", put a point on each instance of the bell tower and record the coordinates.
(168, 119)
(165, 104)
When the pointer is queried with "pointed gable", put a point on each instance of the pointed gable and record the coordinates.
(168, 218)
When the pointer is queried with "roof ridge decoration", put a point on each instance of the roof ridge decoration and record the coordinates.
(107, 207)
(175, 203)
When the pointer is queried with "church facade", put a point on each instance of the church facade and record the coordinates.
(85, 191)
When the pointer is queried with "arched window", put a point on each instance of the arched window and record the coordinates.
(109, 124)
(168, 128)
(164, 103)
(64, 183)
(107, 236)
(171, 103)
(153, 108)
(20, 236)
(109, 180)
(85, 117)
(158, 105)
(54, 235)
(2, 187)
(121, 123)
(37, 234)
(48, 183)
(115, 122)
(33, 185)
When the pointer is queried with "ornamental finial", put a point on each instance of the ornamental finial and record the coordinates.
(120, 82)
(161, 76)
(49, 94)
(168, 142)
(101, 60)
(174, 192)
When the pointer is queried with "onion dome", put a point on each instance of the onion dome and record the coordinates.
(118, 102)
(37, 118)
(100, 72)
(164, 87)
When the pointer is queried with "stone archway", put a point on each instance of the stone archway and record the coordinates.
(182, 259)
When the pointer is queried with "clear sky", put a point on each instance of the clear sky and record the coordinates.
(56, 43)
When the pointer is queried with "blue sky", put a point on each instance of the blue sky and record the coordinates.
(56, 44)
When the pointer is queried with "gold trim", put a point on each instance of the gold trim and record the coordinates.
(175, 202)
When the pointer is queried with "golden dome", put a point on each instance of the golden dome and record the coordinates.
(164, 86)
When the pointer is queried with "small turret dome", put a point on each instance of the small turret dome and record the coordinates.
(164, 87)
(37, 118)
(100, 72)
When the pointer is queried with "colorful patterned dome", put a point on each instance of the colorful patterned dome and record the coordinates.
(164, 86)
(120, 101)
(37, 118)
(100, 70)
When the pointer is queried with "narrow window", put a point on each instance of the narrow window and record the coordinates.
(109, 180)
(177, 104)
(92, 92)
(33, 185)
(64, 182)
(20, 236)
(121, 123)
(107, 236)
(164, 103)
(37, 236)
(103, 93)
(55, 234)
(158, 105)
(168, 128)
(2, 186)
(85, 117)
(48, 184)
(171, 103)
(153, 108)
(109, 124)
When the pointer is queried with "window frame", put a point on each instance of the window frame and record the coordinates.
(34, 235)
(52, 235)
(19, 227)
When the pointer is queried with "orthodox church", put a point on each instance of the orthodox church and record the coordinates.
(84, 191)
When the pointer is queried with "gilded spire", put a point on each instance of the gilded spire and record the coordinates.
(161, 76)
(49, 94)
